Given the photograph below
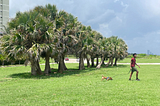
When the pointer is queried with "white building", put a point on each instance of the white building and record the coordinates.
(4, 14)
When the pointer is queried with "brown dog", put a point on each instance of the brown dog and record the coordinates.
(107, 78)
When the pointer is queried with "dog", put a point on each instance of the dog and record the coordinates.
(107, 78)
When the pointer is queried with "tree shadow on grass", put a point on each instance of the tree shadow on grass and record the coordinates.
(70, 71)
(119, 66)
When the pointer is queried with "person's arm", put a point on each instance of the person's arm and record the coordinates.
(137, 65)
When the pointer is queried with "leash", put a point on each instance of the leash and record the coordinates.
(122, 74)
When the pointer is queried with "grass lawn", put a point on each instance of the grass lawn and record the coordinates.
(138, 60)
(80, 88)
(141, 60)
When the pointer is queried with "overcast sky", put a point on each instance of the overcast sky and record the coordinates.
(135, 21)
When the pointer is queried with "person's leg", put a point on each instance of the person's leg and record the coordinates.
(135, 69)
(137, 75)
(130, 75)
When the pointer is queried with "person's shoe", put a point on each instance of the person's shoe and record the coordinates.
(138, 79)
(129, 79)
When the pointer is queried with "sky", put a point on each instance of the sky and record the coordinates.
(137, 22)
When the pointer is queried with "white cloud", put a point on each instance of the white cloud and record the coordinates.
(119, 19)
(153, 6)
(124, 5)
(107, 16)
(150, 41)
(21, 5)
(105, 30)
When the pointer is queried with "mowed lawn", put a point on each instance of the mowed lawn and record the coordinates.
(141, 60)
(80, 88)
(138, 60)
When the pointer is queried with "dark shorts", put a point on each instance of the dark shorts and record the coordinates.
(134, 69)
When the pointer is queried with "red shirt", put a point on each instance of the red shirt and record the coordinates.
(133, 62)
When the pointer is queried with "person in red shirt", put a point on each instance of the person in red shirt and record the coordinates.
(133, 68)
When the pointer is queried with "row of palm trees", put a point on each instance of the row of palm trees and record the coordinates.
(45, 32)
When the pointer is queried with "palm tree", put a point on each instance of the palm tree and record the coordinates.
(93, 46)
(82, 35)
(117, 49)
(29, 32)
(48, 32)
(121, 51)
(103, 50)
(65, 31)
(48, 46)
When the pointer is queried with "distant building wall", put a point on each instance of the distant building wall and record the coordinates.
(4, 14)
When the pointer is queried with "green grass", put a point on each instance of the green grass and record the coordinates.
(138, 60)
(80, 88)
(141, 60)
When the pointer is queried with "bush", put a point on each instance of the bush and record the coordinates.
(144, 56)
(3, 60)
(141, 55)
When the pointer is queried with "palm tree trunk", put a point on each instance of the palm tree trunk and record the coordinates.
(112, 61)
(47, 65)
(39, 71)
(115, 63)
(35, 67)
(2, 63)
(99, 65)
(103, 61)
(92, 60)
(88, 63)
(61, 66)
(65, 68)
(108, 62)
(12, 63)
(81, 62)
(97, 61)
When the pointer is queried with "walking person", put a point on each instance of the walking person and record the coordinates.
(133, 68)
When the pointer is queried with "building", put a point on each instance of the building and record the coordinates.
(4, 14)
